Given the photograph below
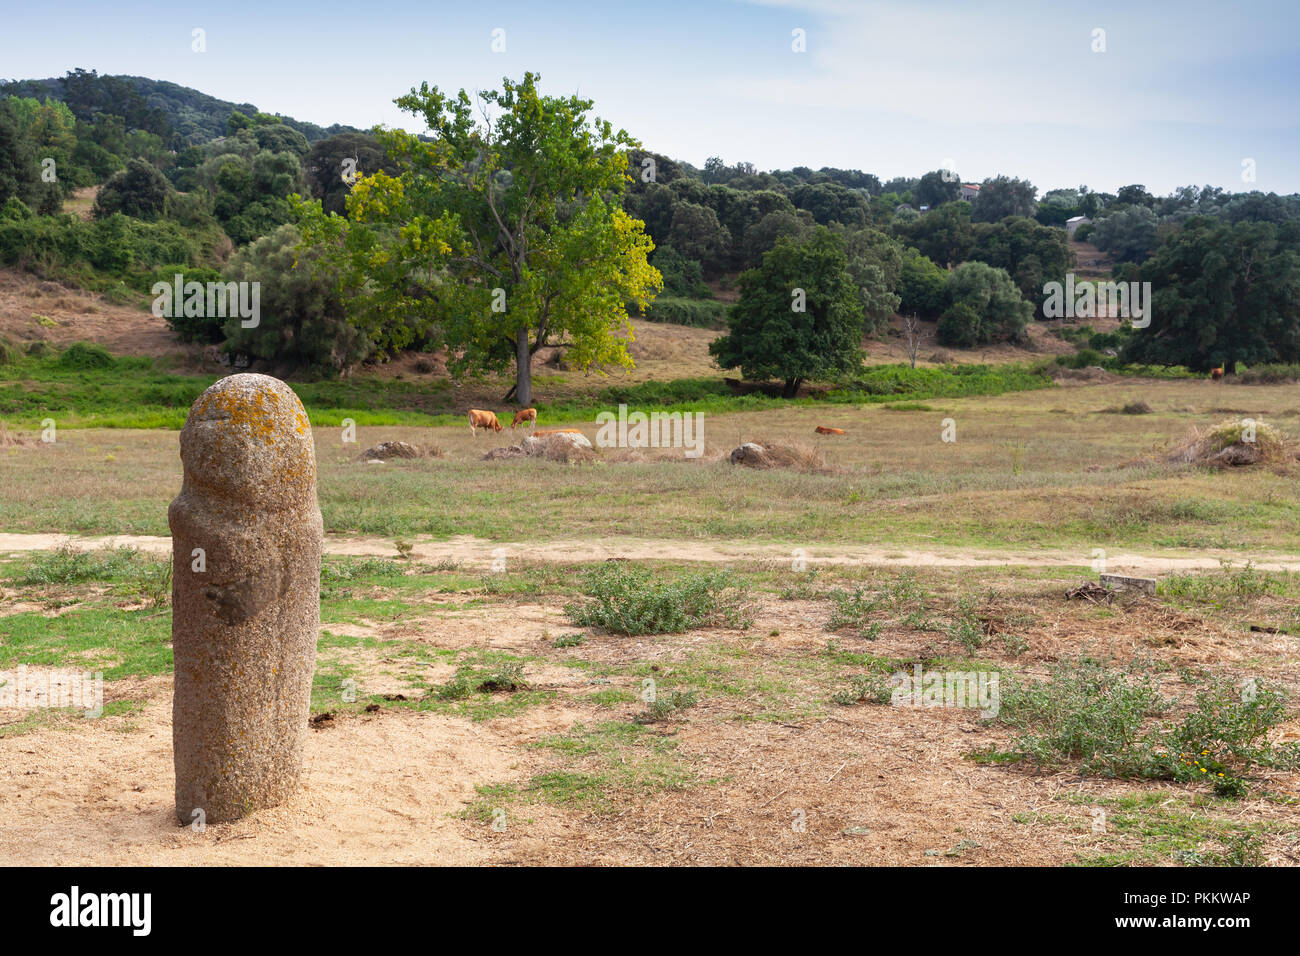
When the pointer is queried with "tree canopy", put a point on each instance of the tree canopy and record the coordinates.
(799, 315)
(503, 231)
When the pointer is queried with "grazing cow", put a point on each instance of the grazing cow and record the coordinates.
(826, 430)
(1216, 373)
(524, 415)
(481, 419)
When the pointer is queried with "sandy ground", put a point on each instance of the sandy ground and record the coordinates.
(383, 789)
(473, 552)
(375, 791)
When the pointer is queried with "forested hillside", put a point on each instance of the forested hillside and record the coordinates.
(190, 184)
(180, 115)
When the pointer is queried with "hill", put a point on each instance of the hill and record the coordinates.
(193, 116)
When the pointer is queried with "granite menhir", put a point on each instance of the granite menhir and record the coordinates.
(246, 555)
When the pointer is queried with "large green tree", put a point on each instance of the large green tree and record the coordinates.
(944, 234)
(937, 187)
(1127, 234)
(19, 164)
(503, 230)
(1222, 294)
(1031, 253)
(799, 315)
(984, 306)
(1003, 196)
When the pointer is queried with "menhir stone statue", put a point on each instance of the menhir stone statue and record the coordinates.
(246, 555)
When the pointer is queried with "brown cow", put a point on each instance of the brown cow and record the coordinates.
(481, 419)
(1216, 373)
(826, 430)
(524, 415)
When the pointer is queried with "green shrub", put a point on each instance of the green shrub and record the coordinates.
(302, 320)
(69, 564)
(139, 191)
(852, 609)
(984, 306)
(1269, 374)
(661, 708)
(191, 328)
(921, 286)
(1107, 340)
(633, 600)
(683, 278)
(115, 245)
(85, 355)
(965, 627)
(15, 210)
(1108, 720)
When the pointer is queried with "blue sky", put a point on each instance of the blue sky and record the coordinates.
(1183, 93)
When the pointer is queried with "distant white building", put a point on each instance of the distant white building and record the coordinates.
(969, 191)
(1071, 225)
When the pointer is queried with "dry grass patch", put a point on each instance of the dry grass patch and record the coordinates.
(1234, 443)
(765, 453)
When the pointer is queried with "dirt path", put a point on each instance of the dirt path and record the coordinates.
(474, 552)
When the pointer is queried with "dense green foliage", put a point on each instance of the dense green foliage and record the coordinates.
(187, 178)
(302, 321)
(1222, 294)
(984, 306)
(799, 315)
(521, 244)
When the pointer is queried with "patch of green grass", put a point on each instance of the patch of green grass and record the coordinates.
(871, 688)
(612, 697)
(118, 643)
(1229, 583)
(598, 767)
(142, 392)
(506, 678)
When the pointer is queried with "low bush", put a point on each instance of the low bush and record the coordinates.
(633, 600)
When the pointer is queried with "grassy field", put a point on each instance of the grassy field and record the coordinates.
(699, 704)
(704, 739)
(1049, 468)
(84, 389)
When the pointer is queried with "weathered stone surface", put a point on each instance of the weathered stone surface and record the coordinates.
(245, 617)
(1121, 582)
(748, 453)
(572, 439)
(555, 446)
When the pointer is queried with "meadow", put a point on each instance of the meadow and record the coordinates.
(647, 658)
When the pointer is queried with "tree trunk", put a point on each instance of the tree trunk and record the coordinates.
(791, 388)
(523, 369)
